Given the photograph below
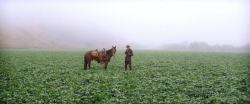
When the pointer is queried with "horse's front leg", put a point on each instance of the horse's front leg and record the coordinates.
(106, 65)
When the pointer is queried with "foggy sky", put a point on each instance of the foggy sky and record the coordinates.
(141, 23)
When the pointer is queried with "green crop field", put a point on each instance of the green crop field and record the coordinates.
(57, 76)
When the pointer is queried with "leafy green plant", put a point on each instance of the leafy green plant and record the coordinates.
(29, 76)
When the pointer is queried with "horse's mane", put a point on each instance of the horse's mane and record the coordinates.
(109, 52)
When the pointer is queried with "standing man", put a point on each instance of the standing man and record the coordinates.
(129, 54)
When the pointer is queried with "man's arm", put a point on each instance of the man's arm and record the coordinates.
(131, 51)
(126, 52)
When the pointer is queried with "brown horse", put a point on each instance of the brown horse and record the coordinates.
(99, 57)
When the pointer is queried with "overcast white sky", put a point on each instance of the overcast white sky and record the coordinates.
(149, 23)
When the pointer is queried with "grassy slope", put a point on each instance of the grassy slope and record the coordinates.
(158, 77)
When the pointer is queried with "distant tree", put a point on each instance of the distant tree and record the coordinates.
(199, 46)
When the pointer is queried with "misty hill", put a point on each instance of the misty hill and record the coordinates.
(54, 37)
(203, 46)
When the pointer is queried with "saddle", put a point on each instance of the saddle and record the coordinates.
(102, 56)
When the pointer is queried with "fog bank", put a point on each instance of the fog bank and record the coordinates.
(156, 24)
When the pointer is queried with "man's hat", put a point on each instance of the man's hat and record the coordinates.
(128, 46)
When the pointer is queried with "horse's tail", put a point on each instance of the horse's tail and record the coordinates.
(85, 60)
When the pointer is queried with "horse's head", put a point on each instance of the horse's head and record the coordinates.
(113, 50)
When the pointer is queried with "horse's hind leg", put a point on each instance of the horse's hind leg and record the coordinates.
(89, 64)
